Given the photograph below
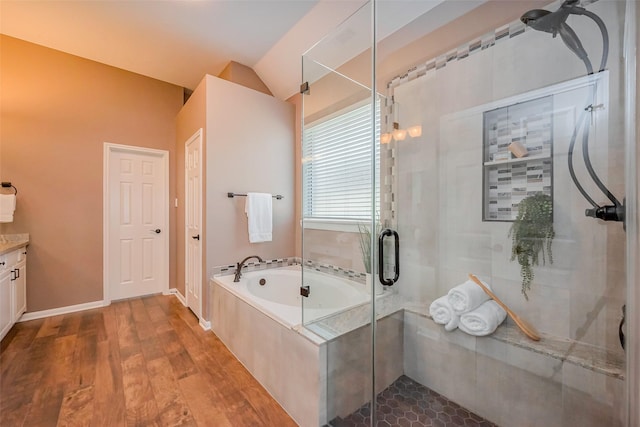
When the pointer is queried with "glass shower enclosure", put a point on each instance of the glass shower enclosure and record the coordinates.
(447, 143)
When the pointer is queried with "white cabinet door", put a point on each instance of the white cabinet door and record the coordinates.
(6, 315)
(19, 289)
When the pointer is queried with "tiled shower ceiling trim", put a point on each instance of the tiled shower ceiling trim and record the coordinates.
(505, 32)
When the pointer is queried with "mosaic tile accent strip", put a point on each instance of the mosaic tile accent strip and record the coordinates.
(253, 266)
(408, 403)
(343, 273)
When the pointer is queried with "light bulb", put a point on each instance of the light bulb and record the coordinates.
(399, 134)
(385, 138)
(415, 131)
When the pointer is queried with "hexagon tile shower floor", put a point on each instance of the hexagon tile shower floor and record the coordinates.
(407, 403)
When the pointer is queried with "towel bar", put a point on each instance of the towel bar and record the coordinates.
(8, 185)
(232, 195)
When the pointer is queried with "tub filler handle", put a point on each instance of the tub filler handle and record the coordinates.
(384, 233)
(304, 291)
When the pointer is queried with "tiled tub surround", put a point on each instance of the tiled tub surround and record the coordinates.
(291, 362)
(10, 242)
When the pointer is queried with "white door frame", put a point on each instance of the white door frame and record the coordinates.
(110, 148)
(197, 135)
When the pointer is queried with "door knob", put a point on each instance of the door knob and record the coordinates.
(196, 237)
(157, 231)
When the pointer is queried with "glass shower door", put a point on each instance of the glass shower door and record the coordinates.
(501, 155)
(518, 143)
(339, 198)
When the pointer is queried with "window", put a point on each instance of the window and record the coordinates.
(336, 170)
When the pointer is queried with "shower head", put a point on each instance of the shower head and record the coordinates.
(555, 23)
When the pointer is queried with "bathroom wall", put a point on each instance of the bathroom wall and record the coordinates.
(245, 76)
(248, 147)
(57, 111)
(189, 120)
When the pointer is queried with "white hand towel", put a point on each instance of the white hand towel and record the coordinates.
(467, 296)
(442, 313)
(484, 320)
(259, 216)
(7, 207)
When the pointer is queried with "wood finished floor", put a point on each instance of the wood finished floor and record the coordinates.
(140, 362)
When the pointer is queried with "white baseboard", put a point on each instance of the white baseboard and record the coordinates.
(61, 310)
(205, 324)
(97, 304)
(181, 298)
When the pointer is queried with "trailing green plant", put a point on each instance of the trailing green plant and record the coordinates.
(531, 236)
(365, 244)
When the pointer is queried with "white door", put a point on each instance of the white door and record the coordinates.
(137, 221)
(193, 223)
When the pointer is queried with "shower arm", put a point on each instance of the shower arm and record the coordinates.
(603, 31)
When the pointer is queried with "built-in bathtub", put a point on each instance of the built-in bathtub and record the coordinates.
(276, 293)
(262, 326)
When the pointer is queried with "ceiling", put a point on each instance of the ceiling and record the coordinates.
(181, 41)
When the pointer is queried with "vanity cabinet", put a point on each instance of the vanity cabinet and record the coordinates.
(13, 288)
(20, 285)
(6, 315)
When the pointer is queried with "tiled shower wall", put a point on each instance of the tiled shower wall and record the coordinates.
(438, 185)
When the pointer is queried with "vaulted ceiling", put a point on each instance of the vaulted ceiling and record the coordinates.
(181, 41)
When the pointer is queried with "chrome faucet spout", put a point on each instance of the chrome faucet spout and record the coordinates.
(239, 265)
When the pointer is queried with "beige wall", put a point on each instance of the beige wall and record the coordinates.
(191, 118)
(57, 111)
(248, 146)
(245, 76)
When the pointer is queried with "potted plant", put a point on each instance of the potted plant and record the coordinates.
(365, 245)
(531, 236)
(365, 249)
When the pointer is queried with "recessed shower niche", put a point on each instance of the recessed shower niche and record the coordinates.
(517, 156)
(526, 136)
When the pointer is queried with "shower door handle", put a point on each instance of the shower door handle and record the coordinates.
(384, 233)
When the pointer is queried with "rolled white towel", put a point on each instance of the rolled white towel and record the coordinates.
(467, 296)
(442, 313)
(484, 320)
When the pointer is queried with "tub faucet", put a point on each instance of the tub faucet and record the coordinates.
(239, 266)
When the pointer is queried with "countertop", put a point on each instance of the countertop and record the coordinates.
(10, 242)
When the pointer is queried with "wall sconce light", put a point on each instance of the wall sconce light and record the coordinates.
(415, 131)
(385, 138)
(398, 134)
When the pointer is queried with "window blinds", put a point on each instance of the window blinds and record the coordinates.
(337, 166)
